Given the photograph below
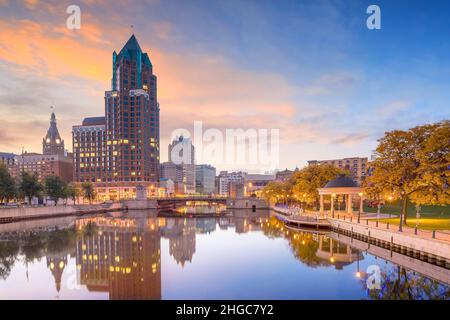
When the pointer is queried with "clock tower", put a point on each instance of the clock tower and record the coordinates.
(52, 143)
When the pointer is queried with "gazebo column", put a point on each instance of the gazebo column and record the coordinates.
(349, 204)
(321, 204)
(332, 206)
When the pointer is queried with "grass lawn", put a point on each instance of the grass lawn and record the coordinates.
(431, 217)
(423, 223)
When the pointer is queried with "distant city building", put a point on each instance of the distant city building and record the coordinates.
(166, 187)
(44, 165)
(204, 178)
(122, 151)
(182, 153)
(285, 174)
(90, 160)
(236, 189)
(254, 183)
(54, 160)
(357, 167)
(174, 172)
(181, 150)
(226, 178)
(52, 142)
(8, 159)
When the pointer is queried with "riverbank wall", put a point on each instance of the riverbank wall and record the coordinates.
(8, 215)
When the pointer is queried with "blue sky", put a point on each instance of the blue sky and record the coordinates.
(310, 68)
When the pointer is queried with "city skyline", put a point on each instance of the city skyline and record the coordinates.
(318, 84)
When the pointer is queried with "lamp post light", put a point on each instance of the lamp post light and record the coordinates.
(360, 206)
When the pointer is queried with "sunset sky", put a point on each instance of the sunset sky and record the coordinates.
(310, 68)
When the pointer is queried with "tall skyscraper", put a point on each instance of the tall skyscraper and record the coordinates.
(182, 153)
(52, 143)
(130, 150)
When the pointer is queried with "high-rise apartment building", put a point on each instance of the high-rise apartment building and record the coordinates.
(205, 176)
(357, 167)
(182, 153)
(128, 145)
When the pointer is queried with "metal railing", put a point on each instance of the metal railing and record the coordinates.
(442, 235)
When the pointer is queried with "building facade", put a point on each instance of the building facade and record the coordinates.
(54, 160)
(44, 165)
(205, 176)
(254, 183)
(129, 140)
(173, 172)
(357, 167)
(8, 159)
(181, 152)
(227, 179)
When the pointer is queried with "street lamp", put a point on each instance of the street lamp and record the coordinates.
(360, 206)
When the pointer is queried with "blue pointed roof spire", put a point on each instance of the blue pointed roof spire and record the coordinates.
(132, 44)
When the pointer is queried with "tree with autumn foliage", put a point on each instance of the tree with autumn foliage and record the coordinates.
(413, 165)
(309, 179)
(302, 186)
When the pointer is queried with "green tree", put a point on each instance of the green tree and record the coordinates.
(88, 191)
(29, 185)
(309, 179)
(8, 189)
(413, 164)
(54, 188)
(72, 191)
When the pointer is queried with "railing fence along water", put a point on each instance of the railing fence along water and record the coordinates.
(433, 234)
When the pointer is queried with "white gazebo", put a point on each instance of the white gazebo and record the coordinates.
(341, 186)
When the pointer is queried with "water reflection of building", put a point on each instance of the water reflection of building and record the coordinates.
(121, 257)
(205, 225)
(57, 264)
(244, 225)
(182, 246)
(336, 252)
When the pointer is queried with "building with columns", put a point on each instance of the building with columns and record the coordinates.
(341, 186)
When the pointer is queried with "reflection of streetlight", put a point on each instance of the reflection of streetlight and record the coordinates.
(358, 274)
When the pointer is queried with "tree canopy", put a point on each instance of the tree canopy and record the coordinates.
(413, 165)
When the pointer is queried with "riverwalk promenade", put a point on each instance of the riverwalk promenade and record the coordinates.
(436, 244)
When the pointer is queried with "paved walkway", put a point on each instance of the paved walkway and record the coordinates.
(367, 219)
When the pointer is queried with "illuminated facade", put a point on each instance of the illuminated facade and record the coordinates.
(123, 149)
(123, 258)
(52, 142)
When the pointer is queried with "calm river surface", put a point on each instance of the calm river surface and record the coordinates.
(244, 256)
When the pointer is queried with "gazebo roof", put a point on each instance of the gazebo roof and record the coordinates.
(341, 182)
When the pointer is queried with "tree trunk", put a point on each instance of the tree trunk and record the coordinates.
(404, 209)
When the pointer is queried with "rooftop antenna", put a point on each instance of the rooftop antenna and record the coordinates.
(132, 29)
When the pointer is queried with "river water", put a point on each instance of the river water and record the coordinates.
(244, 255)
